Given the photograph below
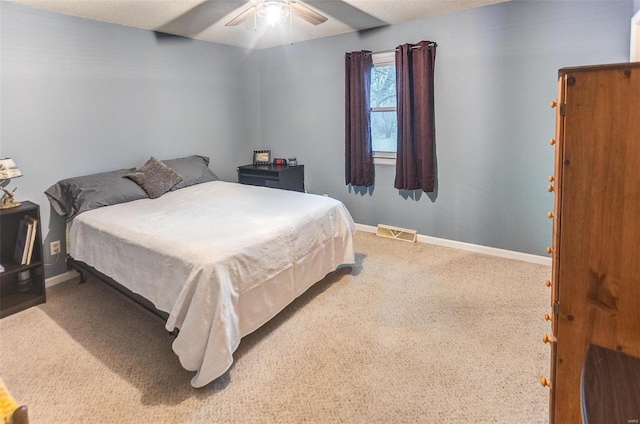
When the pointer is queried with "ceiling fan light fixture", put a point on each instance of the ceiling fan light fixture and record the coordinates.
(272, 12)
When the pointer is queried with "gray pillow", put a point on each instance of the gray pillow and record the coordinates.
(73, 196)
(194, 170)
(155, 178)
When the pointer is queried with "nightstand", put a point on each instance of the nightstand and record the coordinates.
(274, 176)
(21, 286)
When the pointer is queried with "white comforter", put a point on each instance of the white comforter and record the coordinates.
(221, 258)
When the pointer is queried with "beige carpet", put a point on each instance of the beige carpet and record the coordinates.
(414, 334)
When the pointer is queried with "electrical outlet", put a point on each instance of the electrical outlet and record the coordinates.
(55, 247)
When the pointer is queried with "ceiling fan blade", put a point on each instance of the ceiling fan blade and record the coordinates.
(200, 17)
(350, 15)
(306, 13)
(241, 17)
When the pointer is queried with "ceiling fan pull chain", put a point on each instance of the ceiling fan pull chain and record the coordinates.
(291, 28)
(255, 22)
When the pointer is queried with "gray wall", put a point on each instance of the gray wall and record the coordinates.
(636, 5)
(496, 72)
(81, 96)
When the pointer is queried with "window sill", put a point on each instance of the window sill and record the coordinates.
(384, 161)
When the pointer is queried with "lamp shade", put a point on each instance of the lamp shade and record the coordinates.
(9, 169)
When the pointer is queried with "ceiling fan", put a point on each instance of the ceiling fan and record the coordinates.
(274, 12)
(205, 14)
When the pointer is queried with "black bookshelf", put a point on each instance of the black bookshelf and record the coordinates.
(21, 286)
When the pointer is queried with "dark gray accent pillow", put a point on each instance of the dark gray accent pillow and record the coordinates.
(73, 196)
(155, 178)
(194, 170)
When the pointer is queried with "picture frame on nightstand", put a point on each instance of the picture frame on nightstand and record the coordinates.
(261, 157)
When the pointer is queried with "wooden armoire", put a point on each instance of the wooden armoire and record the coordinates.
(595, 282)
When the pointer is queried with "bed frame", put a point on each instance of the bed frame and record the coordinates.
(83, 268)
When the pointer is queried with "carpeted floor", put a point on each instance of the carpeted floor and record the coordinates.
(415, 333)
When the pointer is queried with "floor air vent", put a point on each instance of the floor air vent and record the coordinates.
(397, 233)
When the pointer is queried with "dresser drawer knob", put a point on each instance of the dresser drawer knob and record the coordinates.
(547, 339)
(549, 250)
(549, 188)
(547, 317)
(545, 382)
(554, 104)
(552, 141)
(550, 215)
(548, 283)
(551, 179)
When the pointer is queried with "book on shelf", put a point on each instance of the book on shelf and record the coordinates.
(21, 252)
(21, 242)
(32, 239)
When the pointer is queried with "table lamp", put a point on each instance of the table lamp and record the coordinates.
(8, 170)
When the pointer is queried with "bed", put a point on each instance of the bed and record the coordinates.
(219, 258)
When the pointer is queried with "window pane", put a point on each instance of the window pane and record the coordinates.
(383, 86)
(384, 125)
(384, 131)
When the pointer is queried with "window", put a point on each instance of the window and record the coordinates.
(384, 119)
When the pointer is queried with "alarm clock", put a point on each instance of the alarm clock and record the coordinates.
(280, 161)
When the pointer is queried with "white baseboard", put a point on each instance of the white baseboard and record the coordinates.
(493, 251)
(61, 278)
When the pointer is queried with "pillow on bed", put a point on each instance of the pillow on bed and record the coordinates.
(155, 178)
(73, 196)
(194, 170)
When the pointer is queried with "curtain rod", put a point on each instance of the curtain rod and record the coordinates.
(411, 48)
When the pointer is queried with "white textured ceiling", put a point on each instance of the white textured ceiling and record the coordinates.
(206, 19)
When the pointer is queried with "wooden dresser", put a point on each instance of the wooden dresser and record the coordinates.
(595, 282)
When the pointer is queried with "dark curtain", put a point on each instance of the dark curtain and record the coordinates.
(415, 160)
(358, 152)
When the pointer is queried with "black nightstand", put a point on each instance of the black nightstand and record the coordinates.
(274, 176)
(21, 286)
